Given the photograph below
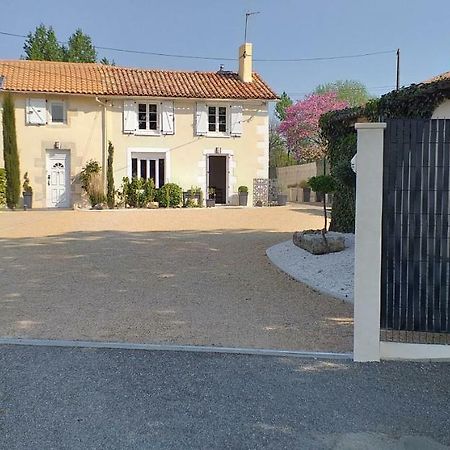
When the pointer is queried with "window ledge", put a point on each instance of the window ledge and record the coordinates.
(146, 133)
(217, 135)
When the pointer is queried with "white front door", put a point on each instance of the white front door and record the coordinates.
(58, 189)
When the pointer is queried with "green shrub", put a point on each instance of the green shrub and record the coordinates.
(169, 195)
(2, 187)
(242, 189)
(10, 153)
(195, 197)
(138, 192)
(92, 167)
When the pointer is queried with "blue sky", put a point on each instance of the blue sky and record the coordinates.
(283, 29)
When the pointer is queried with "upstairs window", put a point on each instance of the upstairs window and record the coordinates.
(148, 116)
(57, 112)
(217, 119)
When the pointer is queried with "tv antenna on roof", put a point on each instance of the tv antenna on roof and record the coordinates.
(247, 14)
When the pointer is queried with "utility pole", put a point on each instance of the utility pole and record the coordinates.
(247, 14)
(397, 84)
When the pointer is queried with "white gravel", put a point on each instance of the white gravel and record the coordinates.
(331, 274)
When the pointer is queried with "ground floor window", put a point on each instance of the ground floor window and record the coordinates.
(147, 168)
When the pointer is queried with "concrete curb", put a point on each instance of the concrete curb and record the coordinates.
(176, 348)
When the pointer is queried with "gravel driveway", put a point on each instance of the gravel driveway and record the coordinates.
(163, 276)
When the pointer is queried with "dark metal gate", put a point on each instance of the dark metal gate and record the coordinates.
(415, 285)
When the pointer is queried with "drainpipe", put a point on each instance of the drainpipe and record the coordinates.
(104, 139)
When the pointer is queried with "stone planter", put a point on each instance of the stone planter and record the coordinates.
(210, 202)
(282, 199)
(243, 198)
(27, 200)
(319, 197)
(306, 195)
(313, 241)
(292, 194)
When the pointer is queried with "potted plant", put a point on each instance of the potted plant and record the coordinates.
(27, 192)
(281, 198)
(211, 200)
(306, 190)
(243, 195)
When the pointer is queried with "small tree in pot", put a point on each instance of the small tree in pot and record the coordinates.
(211, 200)
(323, 184)
(243, 195)
(27, 192)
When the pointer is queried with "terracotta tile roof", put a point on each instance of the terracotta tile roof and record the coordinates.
(98, 79)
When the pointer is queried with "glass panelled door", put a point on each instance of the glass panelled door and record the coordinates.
(147, 168)
(58, 182)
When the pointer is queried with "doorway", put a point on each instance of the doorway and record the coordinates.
(58, 181)
(217, 177)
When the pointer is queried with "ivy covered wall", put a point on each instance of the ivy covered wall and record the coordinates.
(338, 130)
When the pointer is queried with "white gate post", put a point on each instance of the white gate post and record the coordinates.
(369, 199)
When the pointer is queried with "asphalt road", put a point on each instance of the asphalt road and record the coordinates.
(65, 398)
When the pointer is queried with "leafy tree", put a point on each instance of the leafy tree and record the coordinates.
(110, 194)
(352, 91)
(278, 154)
(80, 48)
(42, 45)
(301, 128)
(281, 106)
(10, 153)
(107, 62)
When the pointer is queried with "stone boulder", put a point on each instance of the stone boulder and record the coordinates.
(313, 241)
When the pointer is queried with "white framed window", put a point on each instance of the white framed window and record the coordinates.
(148, 118)
(217, 119)
(57, 112)
(146, 167)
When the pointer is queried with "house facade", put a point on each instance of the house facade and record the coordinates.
(205, 129)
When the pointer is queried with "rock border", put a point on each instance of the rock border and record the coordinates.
(336, 269)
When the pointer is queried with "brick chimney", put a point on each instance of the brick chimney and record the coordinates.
(245, 62)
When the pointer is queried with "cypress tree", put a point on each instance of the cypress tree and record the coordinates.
(10, 153)
(110, 196)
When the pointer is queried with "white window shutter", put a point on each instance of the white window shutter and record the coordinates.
(129, 116)
(36, 111)
(201, 119)
(167, 116)
(236, 120)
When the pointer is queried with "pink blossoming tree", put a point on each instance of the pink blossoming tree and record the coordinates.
(301, 129)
